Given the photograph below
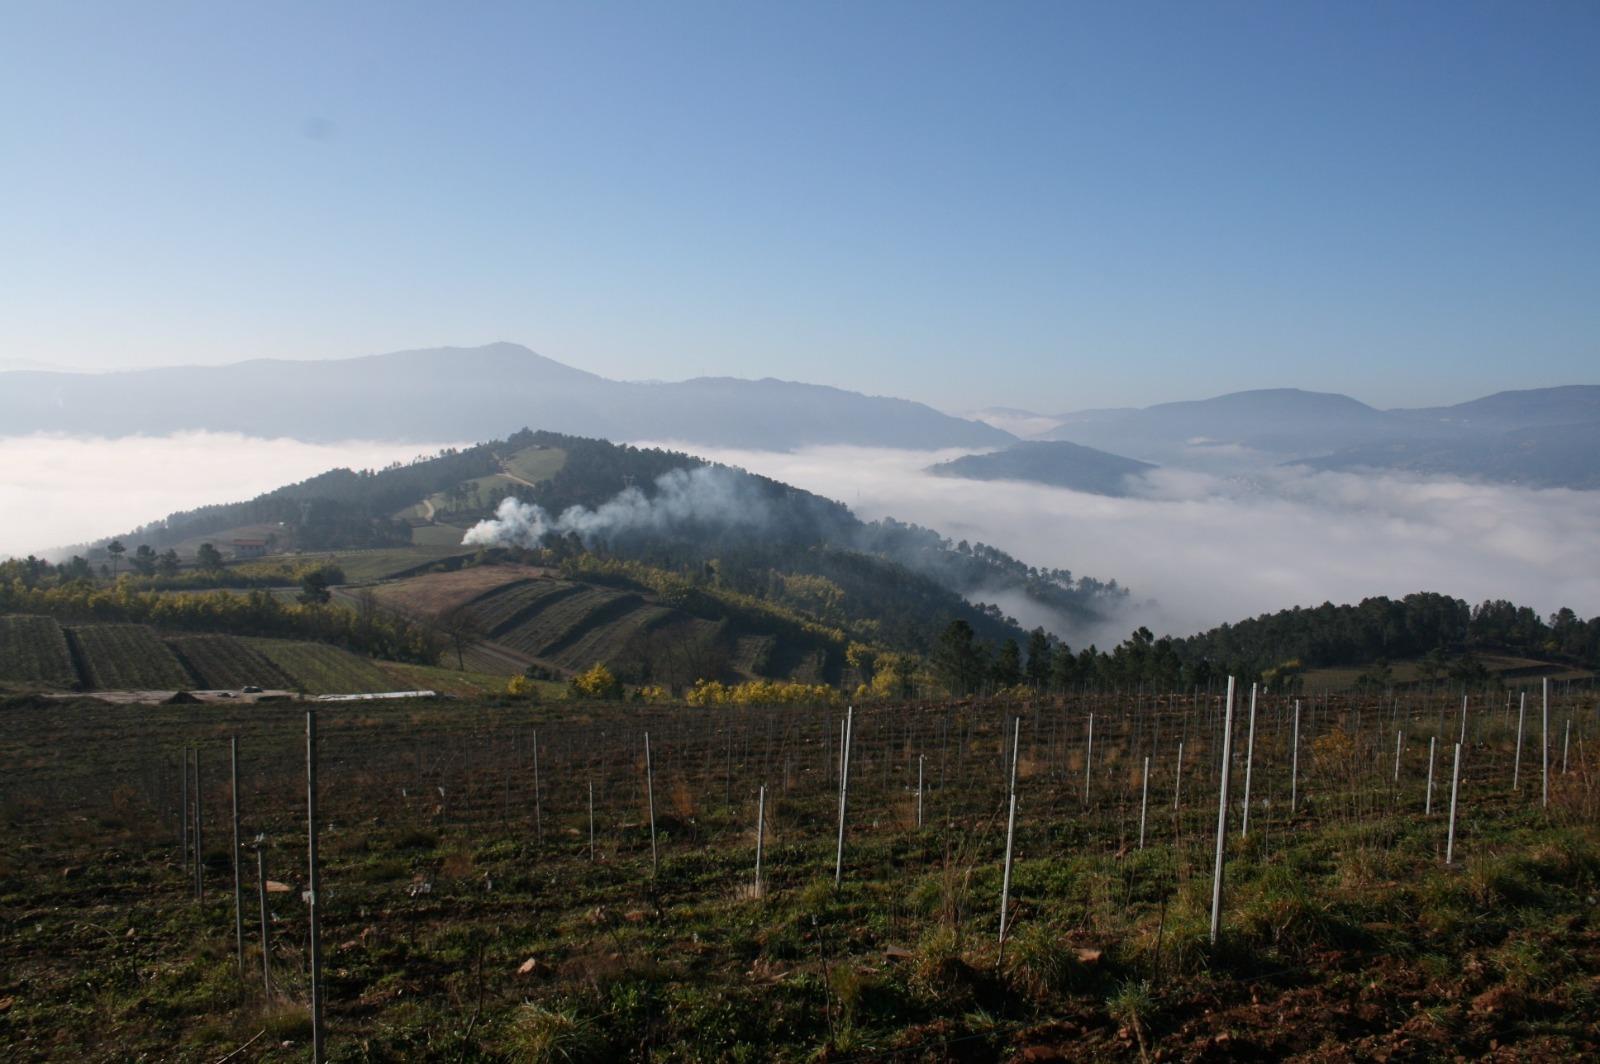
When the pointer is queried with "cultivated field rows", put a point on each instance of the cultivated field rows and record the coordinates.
(449, 825)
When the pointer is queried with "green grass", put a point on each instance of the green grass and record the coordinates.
(1511, 669)
(437, 536)
(33, 650)
(318, 669)
(126, 657)
(536, 464)
(366, 566)
(452, 681)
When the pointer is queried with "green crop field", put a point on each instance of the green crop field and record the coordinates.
(33, 650)
(119, 657)
(319, 669)
(535, 464)
(224, 661)
(366, 566)
(437, 536)
(563, 619)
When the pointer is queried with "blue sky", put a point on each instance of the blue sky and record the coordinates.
(1043, 205)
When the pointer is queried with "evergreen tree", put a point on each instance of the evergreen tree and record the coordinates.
(1039, 660)
(1008, 666)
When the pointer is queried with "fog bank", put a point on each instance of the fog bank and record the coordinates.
(1198, 549)
(60, 490)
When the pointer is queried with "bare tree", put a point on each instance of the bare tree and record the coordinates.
(461, 629)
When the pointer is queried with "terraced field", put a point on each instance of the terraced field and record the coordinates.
(33, 650)
(563, 619)
(530, 616)
(126, 657)
(319, 669)
(437, 592)
(224, 661)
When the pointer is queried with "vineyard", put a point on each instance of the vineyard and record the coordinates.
(37, 653)
(564, 624)
(34, 650)
(224, 661)
(125, 657)
(580, 882)
(319, 669)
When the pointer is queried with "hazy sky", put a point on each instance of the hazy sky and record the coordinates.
(1051, 205)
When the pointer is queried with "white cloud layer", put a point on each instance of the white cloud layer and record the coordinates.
(60, 490)
(1195, 549)
(1198, 549)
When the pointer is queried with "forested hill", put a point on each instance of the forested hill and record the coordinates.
(1383, 629)
(682, 514)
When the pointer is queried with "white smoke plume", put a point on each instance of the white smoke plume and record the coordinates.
(705, 495)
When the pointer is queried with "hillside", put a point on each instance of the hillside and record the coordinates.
(41, 654)
(1540, 437)
(526, 616)
(745, 534)
(454, 393)
(1277, 421)
(1058, 464)
(1528, 408)
(1542, 456)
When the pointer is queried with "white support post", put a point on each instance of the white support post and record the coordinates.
(1566, 746)
(844, 791)
(1399, 737)
(1144, 800)
(1463, 719)
(1222, 817)
(920, 759)
(261, 900)
(1516, 765)
(1455, 787)
(314, 887)
(1011, 828)
(1177, 781)
(1427, 805)
(650, 797)
(199, 826)
(183, 813)
(238, 889)
(1088, 762)
(1544, 746)
(1294, 762)
(761, 832)
(1249, 757)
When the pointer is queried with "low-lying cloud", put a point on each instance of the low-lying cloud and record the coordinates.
(56, 491)
(1198, 549)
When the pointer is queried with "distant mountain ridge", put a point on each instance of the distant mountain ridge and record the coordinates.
(1539, 437)
(1286, 421)
(455, 393)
